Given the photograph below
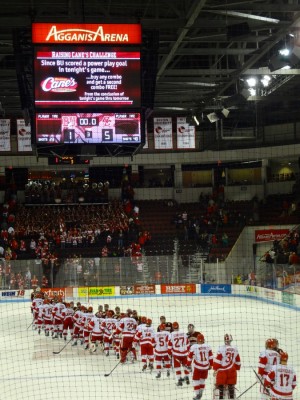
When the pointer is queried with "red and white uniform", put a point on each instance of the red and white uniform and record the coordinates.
(34, 307)
(201, 356)
(145, 336)
(127, 327)
(267, 359)
(77, 324)
(108, 326)
(68, 323)
(161, 341)
(57, 318)
(95, 329)
(282, 381)
(85, 320)
(40, 313)
(47, 317)
(227, 362)
(178, 346)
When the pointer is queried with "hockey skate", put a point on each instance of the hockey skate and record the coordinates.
(158, 375)
(187, 380)
(65, 338)
(151, 367)
(74, 343)
(55, 336)
(47, 333)
(144, 367)
(179, 382)
(168, 373)
(86, 346)
(197, 397)
(107, 353)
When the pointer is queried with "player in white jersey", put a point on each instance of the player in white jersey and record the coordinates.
(85, 320)
(281, 380)
(77, 333)
(127, 328)
(145, 336)
(178, 346)
(36, 302)
(226, 364)
(96, 333)
(162, 358)
(267, 359)
(108, 327)
(58, 319)
(68, 323)
(200, 354)
(47, 316)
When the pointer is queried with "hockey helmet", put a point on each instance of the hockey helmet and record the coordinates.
(200, 338)
(175, 325)
(228, 338)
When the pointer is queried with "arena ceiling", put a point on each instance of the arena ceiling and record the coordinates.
(207, 50)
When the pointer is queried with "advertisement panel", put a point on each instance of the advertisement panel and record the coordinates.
(269, 235)
(175, 289)
(144, 289)
(96, 291)
(43, 32)
(23, 136)
(126, 290)
(83, 76)
(88, 128)
(186, 134)
(52, 292)
(288, 298)
(5, 135)
(163, 135)
(215, 288)
(12, 293)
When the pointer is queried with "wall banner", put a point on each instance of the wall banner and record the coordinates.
(163, 136)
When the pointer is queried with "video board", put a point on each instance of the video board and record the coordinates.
(88, 128)
(87, 77)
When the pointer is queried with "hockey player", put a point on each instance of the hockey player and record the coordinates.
(96, 333)
(85, 320)
(200, 354)
(77, 324)
(226, 364)
(267, 359)
(127, 328)
(178, 347)
(47, 316)
(145, 336)
(281, 380)
(192, 334)
(108, 326)
(37, 301)
(57, 318)
(161, 340)
(68, 322)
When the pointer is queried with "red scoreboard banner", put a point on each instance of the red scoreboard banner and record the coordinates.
(269, 235)
(61, 33)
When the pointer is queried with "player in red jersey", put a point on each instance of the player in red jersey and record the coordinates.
(192, 334)
(127, 328)
(267, 359)
(161, 340)
(281, 380)
(57, 318)
(145, 336)
(96, 333)
(178, 347)
(226, 364)
(200, 354)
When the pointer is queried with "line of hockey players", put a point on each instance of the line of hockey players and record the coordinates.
(186, 353)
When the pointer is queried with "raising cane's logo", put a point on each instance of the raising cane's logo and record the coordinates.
(59, 84)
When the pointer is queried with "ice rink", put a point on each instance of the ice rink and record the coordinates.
(30, 370)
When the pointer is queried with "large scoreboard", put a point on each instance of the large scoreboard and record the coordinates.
(87, 84)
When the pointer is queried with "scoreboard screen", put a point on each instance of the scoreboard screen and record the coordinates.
(88, 128)
(85, 76)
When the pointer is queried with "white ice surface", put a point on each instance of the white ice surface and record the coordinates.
(30, 370)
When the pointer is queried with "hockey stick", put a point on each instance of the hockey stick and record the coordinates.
(246, 390)
(106, 375)
(262, 383)
(58, 352)
(30, 325)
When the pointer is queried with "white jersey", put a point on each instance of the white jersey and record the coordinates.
(161, 340)
(127, 327)
(77, 318)
(145, 335)
(67, 313)
(57, 309)
(201, 355)
(227, 357)
(140, 327)
(267, 359)
(179, 344)
(95, 325)
(282, 381)
(47, 312)
(36, 302)
(108, 326)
